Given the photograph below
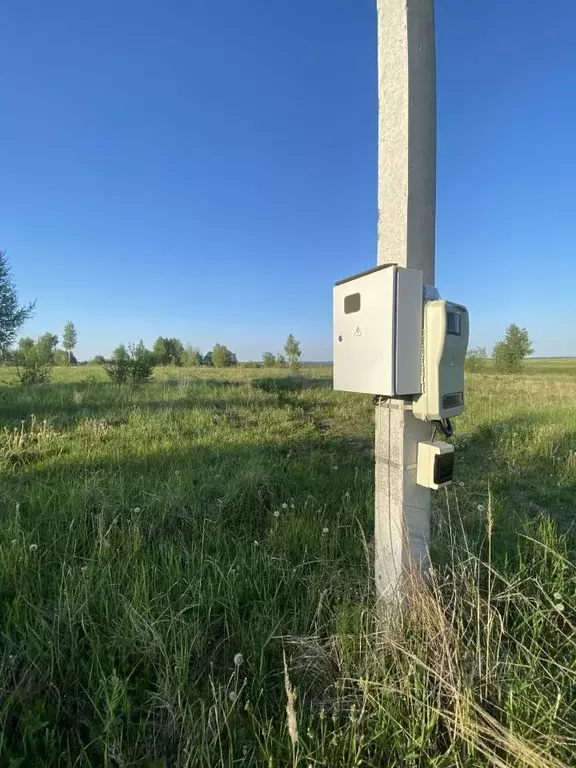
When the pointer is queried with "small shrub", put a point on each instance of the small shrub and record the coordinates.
(35, 360)
(135, 363)
(118, 367)
(34, 372)
(141, 363)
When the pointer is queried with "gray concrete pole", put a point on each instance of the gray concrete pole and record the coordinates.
(406, 236)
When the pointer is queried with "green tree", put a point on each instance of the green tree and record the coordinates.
(160, 351)
(222, 357)
(168, 351)
(191, 356)
(36, 358)
(118, 367)
(141, 363)
(207, 359)
(514, 347)
(64, 357)
(69, 340)
(25, 344)
(98, 360)
(46, 347)
(268, 360)
(176, 351)
(292, 350)
(12, 316)
(280, 361)
(476, 359)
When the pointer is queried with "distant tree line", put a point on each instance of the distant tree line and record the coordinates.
(127, 362)
(35, 358)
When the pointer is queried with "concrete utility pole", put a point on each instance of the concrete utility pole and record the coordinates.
(406, 236)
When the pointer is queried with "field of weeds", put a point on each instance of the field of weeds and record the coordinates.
(186, 577)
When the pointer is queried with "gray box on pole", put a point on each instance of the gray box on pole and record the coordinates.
(378, 332)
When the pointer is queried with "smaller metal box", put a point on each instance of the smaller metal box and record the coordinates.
(378, 332)
(435, 464)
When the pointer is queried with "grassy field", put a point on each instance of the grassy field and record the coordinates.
(185, 576)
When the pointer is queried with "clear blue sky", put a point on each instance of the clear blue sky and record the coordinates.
(207, 168)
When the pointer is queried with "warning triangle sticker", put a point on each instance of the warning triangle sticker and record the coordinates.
(358, 332)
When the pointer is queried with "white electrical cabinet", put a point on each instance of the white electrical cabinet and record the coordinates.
(378, 332)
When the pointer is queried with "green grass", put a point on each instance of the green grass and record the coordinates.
(151, 534)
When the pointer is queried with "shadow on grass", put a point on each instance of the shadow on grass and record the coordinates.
(185, 515)
(512, 473)
(66, 403)
(288, 384)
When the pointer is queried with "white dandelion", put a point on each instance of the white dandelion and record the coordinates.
(33, 547)
(238, 659)
(284, 506)
(480, 507)
(276, 513)
(325, 530)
